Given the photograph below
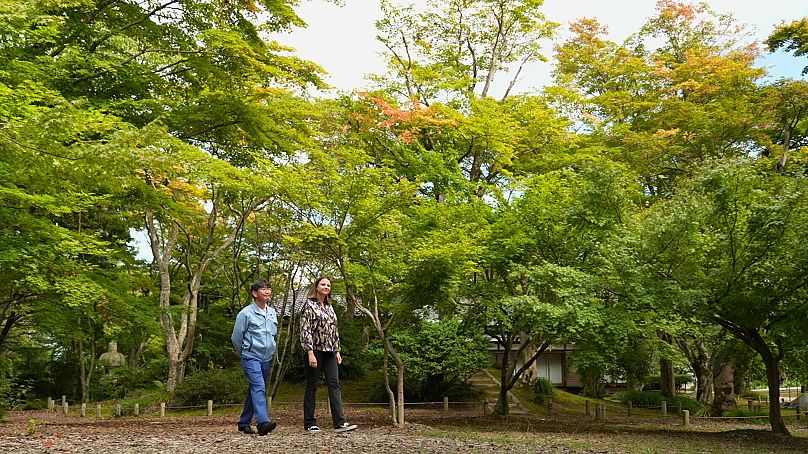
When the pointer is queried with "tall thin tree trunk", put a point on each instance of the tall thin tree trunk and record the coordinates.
(398, 421)
(667, 375)
(390, 396)
(505, 372)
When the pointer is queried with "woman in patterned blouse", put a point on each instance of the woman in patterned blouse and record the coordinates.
(319, 337)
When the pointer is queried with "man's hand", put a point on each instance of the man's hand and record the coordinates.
(312, 359)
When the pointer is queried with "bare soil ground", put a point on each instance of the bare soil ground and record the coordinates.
(427, 431)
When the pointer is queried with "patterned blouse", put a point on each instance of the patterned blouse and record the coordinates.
(318, 327)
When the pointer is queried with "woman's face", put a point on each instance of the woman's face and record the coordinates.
(323, 288)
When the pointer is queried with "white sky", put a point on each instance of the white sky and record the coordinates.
(342, 39)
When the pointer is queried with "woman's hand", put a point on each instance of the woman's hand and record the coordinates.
(312, 359)
(339, 358)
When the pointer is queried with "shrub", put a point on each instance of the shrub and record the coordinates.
(12, 393)
(221, 386)
(122, 380)
(4, 401)
(695, 407)
(654, 399)
(543, 388)
(750, 395)
(682, 381)
(413, 392)
(438, 359)
(640, 398)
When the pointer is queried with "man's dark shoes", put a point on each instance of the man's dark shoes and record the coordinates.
(246, 429)
(266, 427)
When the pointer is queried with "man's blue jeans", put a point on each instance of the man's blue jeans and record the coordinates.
(255, 404)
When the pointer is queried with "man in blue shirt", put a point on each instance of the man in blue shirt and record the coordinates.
(254, 340)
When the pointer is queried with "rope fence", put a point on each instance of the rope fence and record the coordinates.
(119, 410)
(598, 411)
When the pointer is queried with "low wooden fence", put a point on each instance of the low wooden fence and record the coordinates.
(596, 411)
(118, 410)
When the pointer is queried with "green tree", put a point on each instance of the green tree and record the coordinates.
(681, 90)
(791, 37)
(538, 281)
(124, 87)
(455, 49)
(440, 355)
(730, 249)
(787, 100)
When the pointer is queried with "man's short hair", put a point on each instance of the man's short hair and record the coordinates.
(260, 283)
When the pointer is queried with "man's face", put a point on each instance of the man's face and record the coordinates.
(262, 293)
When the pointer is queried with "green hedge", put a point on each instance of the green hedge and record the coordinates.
(220, 386)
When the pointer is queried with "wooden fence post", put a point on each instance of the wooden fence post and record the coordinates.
(83, 412)
(210, 408)
(65, 407)
(137, 409)
(98, 411)
(118, 410)
(686, 418)
(445, 404)
(162, 409)
(664, 408)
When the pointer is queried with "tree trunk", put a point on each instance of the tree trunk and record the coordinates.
(723, 385)
(502, 407)
(753, 339)
(176, 372)
(288, 352)
(85, 370)
(773, 379)
(400, 369)
(704, 381)
(180, 344)
(667, 378)
(398, 404)
(505, 372)
(83, 378)
(667, 375)
(398, 416)
(699, 359)
(390, 396)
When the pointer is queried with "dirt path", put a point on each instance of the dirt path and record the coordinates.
(58, 433)
(429, 431)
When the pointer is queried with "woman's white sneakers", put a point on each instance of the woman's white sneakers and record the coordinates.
(345, 427)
